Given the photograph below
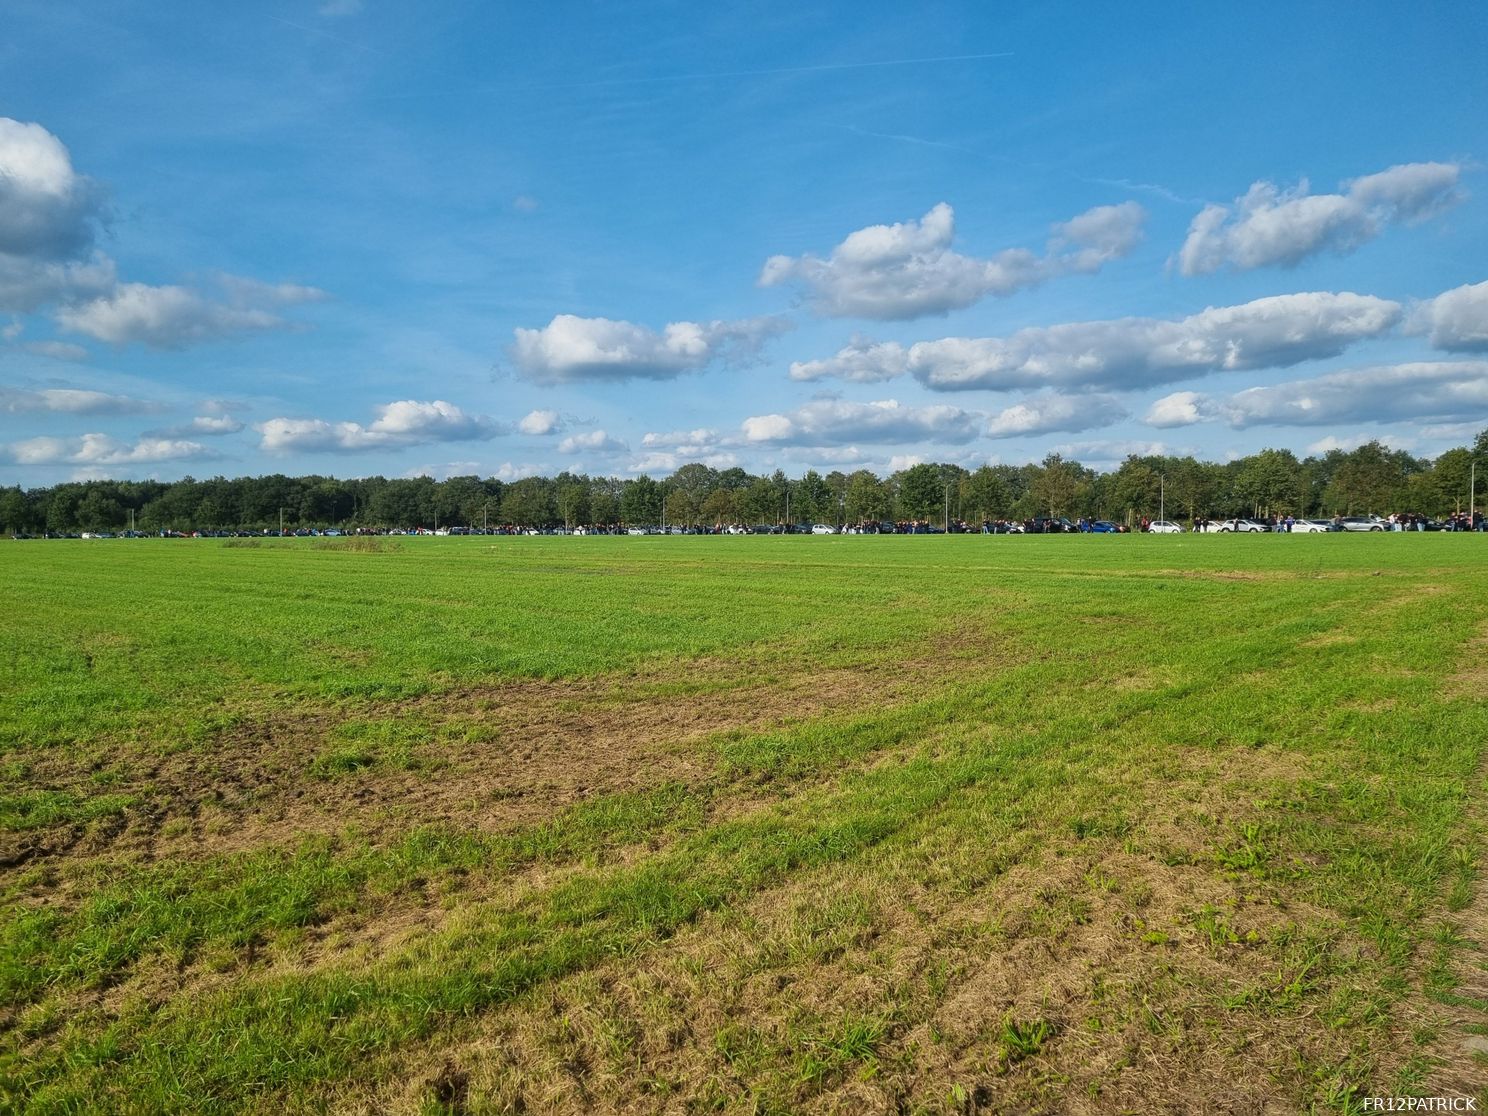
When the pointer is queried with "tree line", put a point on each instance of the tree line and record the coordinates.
(1371, 478)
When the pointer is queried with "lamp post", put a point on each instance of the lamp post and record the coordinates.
(1472, 493)
(947, 508)
(1162, 496)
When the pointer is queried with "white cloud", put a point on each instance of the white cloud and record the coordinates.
(1112, 450)
(1456, 320)
(100, 449)
(1046, 414)
(908, 270)
(570, 349)
(1127, 353)
(212, 426)
(71, 401)
(525, 203)
(29, 283)
(837, 422)
(47, 210)
(167, 317)
(540, 422)
(1269, 225)
(685, 441)
(511, 471)
(446, 470)
(1354, 441)
(1182, 408)
(862, 361)
(664, 462)
(404, 423)
(56, 350)
(49, 220)
(1440, 392)
(593, 441)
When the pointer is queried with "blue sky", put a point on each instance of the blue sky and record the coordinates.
(361, 237)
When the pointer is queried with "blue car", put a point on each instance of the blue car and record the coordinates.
(1102, 527)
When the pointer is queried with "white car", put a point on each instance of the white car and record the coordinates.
(823, 529)
(1311, 527)
(1164, 527)
(1244, 526)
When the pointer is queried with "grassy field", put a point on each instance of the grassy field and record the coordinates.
(765, 825)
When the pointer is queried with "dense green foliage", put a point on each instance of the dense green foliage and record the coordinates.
(1370, 479)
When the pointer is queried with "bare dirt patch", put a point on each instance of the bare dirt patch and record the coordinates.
(491, 757)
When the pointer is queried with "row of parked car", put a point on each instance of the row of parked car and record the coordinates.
(1039, 525)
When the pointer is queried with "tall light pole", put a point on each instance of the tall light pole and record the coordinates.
(948, 508)
(787, 505)
(1162, 496)
(1472, 492)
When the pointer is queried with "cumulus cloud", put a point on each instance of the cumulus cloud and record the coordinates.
(592, 441)
(1111, 451)
(100, 449)
(1271, 226)
(571, 349)
(838, 422)
(404, 423)
(700, 440)
(49, 220)
(47, 210)
(908, 270)
(72, 401)
(1182, 408)
(1440, 392)
(1050, 413)
(28, 283)
(1455, 321)
(212, 426)
(173, 317)
(670, 462)
(1127, 353)
(861, 361)
(540, 422)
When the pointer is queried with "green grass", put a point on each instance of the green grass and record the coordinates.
(1230, 783)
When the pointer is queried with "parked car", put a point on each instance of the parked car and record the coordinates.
(1311, 527)
(1051, 525)
(1164, 527)
(1244, 526)
(823, 529)
(1362, 523)
(1103, 527)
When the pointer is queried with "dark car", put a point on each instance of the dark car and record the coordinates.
(1050, 525)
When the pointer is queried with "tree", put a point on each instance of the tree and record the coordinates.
(721, 507)
(1056, 485)
(762, 502)
(1269, 482)
(97, 512)
(1372, 478)
(640, 502)
(812, 500)
(529, 502)
(16, 512)
(921, 492)
(867, 499)
(985, 495)
(1138, 488)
